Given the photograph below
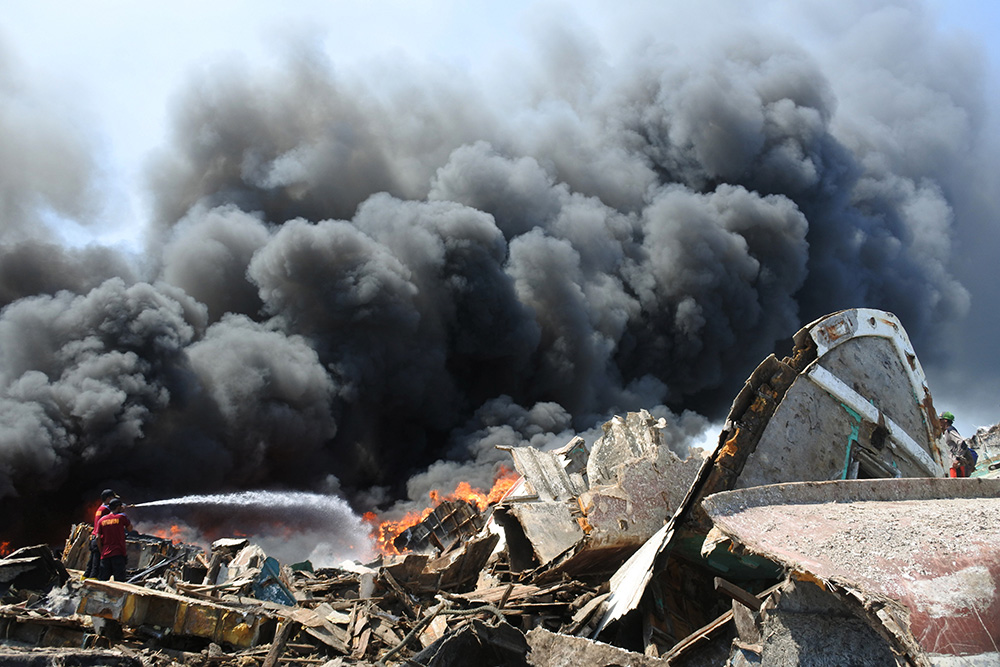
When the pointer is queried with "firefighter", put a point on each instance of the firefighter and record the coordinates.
(111, 531)
(94, 563)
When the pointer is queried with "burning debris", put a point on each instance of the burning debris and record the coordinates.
(819, 524)
(449, 522)
(448, 516)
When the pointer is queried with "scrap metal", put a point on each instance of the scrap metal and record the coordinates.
(449, 522)
(134, 605)
(793, 421)
(632, 550)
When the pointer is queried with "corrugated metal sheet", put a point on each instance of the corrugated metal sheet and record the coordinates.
(545, 474)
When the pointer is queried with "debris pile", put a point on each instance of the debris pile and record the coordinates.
(818, 529)
(986, 444)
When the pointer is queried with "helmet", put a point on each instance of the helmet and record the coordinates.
(107, 493)
(947, 415)
(114, 503)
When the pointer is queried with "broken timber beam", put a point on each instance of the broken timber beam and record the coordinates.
(285, 630)
(746, 598)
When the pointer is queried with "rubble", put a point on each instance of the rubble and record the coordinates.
(986, 443)
(450, 521)
(815, 532)
(30, 568)
(583, 514)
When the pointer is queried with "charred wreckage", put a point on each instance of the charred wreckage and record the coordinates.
(820, 529)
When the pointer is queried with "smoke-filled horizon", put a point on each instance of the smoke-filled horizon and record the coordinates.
(361, 282)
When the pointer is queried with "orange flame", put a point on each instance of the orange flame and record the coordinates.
(384, 532)
(4, 548)
(175, 533)
(92, 512)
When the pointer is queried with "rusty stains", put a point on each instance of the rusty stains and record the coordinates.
(805, 575)
(833, 331)
(133, 605)
(903, 548)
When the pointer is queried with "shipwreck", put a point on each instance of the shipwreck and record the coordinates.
(819, 529)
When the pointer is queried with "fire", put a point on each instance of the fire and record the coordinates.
(189, 535)
(504, 483)
(175, 533)
(4, 548)
(384, 532)
(92, 511)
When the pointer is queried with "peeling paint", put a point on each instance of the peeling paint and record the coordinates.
(970, 588)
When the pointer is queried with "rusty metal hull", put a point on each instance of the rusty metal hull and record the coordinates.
(923, 555)
(850, 402)
(860, 408)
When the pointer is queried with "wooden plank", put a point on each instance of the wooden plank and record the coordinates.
(285, 630)
(362, 646)
(746, 598)
(401, 595)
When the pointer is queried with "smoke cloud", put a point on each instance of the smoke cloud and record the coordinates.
(364, 287)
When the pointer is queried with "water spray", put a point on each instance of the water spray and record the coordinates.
(287, 524)
(260, 499)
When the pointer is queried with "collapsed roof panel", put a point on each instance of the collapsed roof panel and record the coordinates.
(634, 436)
(546, 473)
(549, 529)
(921, 555)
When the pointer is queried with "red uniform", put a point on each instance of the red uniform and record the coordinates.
(101, 511)
(94, 564)
(111, 532)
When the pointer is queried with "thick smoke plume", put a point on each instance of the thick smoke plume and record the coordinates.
(361, 285)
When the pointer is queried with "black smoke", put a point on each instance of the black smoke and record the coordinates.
(362, 286)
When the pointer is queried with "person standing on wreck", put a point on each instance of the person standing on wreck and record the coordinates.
(960, 456)
(111, 539)
(95, 552)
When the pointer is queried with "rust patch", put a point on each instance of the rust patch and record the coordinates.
(803, 575)
(731, 446)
